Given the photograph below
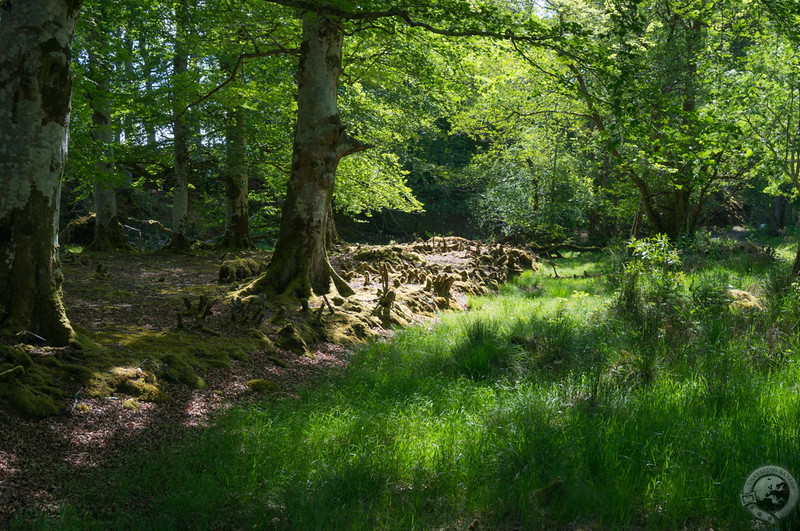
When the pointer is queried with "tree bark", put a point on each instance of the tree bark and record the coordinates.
(35, 93)
(108, 232)
(300, 263)
(180, 133)
(237, 213)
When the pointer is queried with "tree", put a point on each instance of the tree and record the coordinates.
(35, 92)
(767, 90)
(108, 232)
(643, 78)
(180, 130)
(300, 264)
(234, 175)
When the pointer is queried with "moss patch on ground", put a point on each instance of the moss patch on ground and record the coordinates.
(148, 321)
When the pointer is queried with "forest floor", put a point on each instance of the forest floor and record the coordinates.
(165, 321)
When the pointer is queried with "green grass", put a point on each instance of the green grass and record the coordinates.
(651, 416)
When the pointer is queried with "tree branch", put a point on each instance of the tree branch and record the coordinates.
(234, 71)
(404, 15)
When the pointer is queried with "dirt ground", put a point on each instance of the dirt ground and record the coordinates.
(137, 308)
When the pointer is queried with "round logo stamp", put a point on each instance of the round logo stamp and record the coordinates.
(770, 493)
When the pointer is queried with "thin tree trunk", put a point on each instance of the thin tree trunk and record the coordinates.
(300, 262)
(108, 232)
(35, 93)
(237, 213)
(180, 132)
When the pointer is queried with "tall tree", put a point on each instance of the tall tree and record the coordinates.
(35, 93)
(180, 130)
(108, 231)
(642, 77)
(300, 263)
(234, 175)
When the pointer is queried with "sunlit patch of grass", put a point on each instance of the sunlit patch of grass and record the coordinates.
(545, 407)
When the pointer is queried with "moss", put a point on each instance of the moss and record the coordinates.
(394, 254)
(79, 231)
(179, 370)
(240, 269)
(289, 338)
(263, 386)
(13, 373)
(29, 402)
(131, 404)
(212, 357)
(83, 408)
(17, 355)
(199, 351)
(238, 353)
(136, 382)
(265, 343)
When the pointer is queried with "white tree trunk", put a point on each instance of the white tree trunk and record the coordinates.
(35, 93)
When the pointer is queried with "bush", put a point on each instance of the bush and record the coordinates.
(652, 277)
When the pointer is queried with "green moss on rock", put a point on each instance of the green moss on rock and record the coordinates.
(289, 338)
(264, 342)
(240, 269)
(263, 386)
(16, 355)
(136, 382)
(7, 374)
(29, 402)
(179, 370)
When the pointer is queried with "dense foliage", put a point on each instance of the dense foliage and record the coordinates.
(552, 122)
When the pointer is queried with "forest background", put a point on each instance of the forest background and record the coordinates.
(644, 117)
(204, 128)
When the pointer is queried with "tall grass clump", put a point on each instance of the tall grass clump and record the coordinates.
(482, 349)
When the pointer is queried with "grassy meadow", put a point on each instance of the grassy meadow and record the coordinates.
(638, 390)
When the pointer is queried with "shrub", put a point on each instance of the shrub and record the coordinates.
(651, 278)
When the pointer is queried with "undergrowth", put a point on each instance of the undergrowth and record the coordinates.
(641, 398)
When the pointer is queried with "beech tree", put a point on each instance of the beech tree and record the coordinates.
(35, 92)
(180, 130)
(644, 79)
(108, 231)
(300, 263)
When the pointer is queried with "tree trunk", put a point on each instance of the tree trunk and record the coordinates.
(237, 213)
(35, 93)
(180, 133)
(108, 233)
(331, 233)
(300, 262)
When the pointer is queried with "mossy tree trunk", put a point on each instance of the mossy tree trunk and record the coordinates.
(35, 93)
(237, 214)
(300, 262)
